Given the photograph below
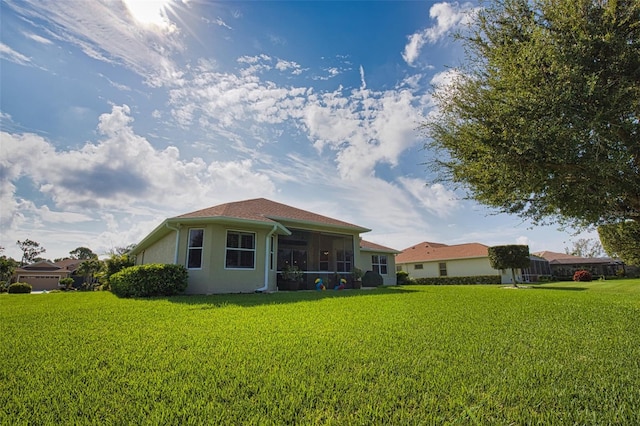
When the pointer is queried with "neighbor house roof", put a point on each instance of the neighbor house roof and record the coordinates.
(257, 211)
(369, 246)
(429, 252)
(568, 259)
(61, 266)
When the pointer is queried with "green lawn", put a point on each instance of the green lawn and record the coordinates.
(565, 353)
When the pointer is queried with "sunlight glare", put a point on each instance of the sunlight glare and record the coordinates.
(150, 12)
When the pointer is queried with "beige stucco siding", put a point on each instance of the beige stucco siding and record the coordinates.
(366, 264)
(455, 268)
(162, 251)
(459, 268)
(214, 276)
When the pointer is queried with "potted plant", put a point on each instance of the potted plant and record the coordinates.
(357, 277)
(291, 276)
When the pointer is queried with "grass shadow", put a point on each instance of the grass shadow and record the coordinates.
(248, 300)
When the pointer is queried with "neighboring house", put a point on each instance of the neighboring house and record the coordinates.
(538, 270)
(563, 265)
(380, 259)
(46, 275)
(428, 260)
(243, 247)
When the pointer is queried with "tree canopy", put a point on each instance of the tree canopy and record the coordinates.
(30, 251)
(543, 118)
(83, 253)
(513, 256)
(622, 240)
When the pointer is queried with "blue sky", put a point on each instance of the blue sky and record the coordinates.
(116, 114)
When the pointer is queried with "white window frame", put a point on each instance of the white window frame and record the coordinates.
(442, 269)
(239, 249)
(377, 263)
(190, 248)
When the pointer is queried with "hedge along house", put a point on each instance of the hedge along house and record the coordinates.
(431, 260)
(244, 246)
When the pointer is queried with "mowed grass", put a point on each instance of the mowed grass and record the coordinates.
(566, 353)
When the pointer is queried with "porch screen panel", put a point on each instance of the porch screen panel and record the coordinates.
(314, 251)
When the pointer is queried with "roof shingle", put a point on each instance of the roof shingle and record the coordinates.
(263, 210)
(428, 251)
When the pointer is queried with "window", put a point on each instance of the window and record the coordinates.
(443, 269)
(194, 249)
(343, 260)
(241, 250)
(418, 266)
(379, 263)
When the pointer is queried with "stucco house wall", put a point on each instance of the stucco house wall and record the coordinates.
(455, 268)
(161, 252)
(366, 264)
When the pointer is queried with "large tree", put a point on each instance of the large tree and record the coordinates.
(622, 240)
(543, 118)
(30, 251)
(83, 253)
(585, 247)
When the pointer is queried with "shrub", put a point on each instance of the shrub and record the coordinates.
(149, 280)
(582, 275)
(372, 279)
(402, 277)
(66, 283)
(16, 288)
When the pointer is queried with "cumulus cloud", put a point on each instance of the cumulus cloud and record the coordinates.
(361, 127)
(121, 172)
(448, 17)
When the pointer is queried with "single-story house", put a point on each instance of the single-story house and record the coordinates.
(429, 260)
(46, 275)
(245, 246)
(563, 265)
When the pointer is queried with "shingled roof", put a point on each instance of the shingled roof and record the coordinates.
(371, 246)
(568, 259)
(263, 210)
(428, 252)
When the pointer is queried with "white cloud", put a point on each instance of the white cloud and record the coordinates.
(121, 172)
(38, 38)
(361, 128)
(11, 55)
(105, 31)
(448, 16)
(435, 198)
